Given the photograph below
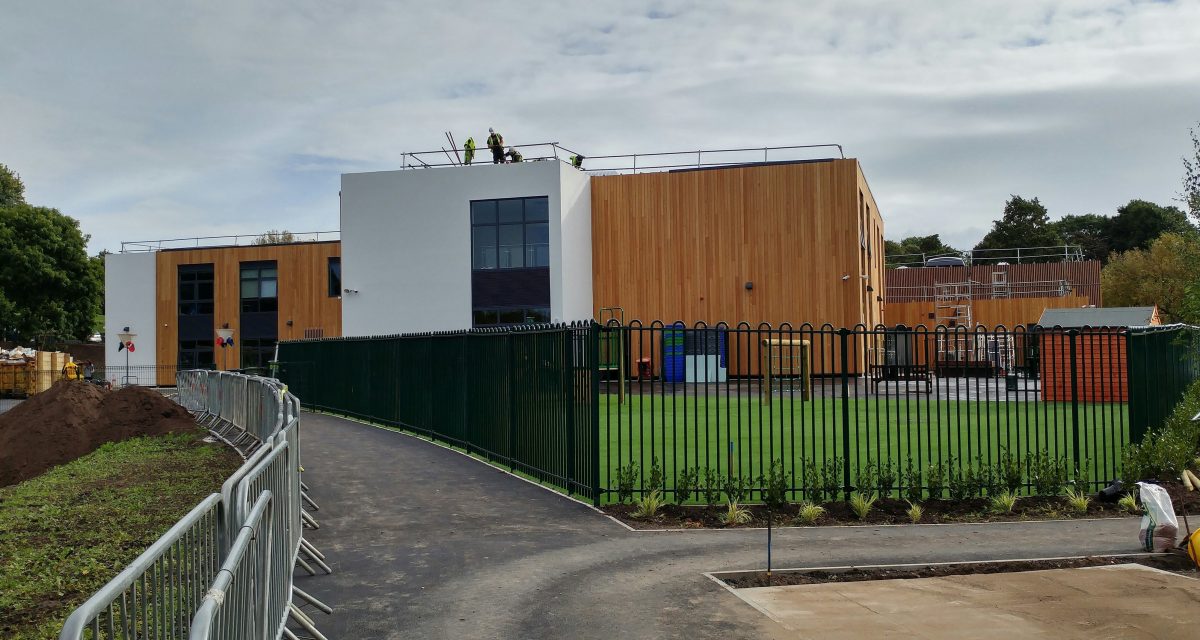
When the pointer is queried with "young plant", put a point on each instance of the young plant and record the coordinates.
(831, 478)
(649, 504)
(1078, 500)
(868, 477)
(958, 482)
(711, 487)
(1130, 504)
(862, 503)
(935, 480)
(914, 512)
(735, 514)
(1048, 475)
(1008, 472)
(809, 513)
(1003, 502)
(736, 487)
(627, 478)
(654, 479)
(886, 480)
(775, 486)
(687, 482)
(911, 479)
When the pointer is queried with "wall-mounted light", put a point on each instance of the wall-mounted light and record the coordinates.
(749, 286)
(349, 290)
(845, 277)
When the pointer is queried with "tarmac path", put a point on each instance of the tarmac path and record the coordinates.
(427, 543)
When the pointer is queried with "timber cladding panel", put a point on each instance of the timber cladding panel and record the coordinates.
(303, 294)
(682, 245)
(1006, 312)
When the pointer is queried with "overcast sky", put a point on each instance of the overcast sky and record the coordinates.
(167, 119)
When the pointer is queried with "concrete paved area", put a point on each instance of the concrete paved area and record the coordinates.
(427, 543)
(1124, 601)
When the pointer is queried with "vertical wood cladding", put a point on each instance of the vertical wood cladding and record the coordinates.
(993, 313)
(303, 294)
(906, 285)
(683, 245)
(1101, 372)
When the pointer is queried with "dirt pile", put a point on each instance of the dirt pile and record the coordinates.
(74, 418)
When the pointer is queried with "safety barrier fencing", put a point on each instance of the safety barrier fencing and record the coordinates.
(616, 411)
(225, 571)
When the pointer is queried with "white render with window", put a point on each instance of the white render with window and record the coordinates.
(414, 246)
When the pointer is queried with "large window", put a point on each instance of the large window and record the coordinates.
(511, 233)
(511, 316)
(335, 277)
(260, 287)
(196, 354)
(257, 352)
(196, 290)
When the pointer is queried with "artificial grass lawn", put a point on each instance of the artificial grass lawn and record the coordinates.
(695, 431)
(68, 531)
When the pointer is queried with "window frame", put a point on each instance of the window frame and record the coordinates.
(256, 304)
(526, 311)
(333, 290)
(495, 223)
(202, 306)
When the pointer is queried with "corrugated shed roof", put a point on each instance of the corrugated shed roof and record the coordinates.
(1098, 317)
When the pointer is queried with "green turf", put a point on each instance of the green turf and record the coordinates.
(690, 431)
(65, 533)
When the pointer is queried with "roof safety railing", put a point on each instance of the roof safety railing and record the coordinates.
(1017, 255)
(628, 162)
(268, 238)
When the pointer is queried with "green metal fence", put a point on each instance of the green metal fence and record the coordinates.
(1163, 362)
(521, 397)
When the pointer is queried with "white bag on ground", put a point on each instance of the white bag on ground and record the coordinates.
(1159, 526)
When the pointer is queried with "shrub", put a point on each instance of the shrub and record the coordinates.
(686, 483)
(914, 512)
(831, 478)
(649, 504)
(862, 503)
(935, 480)
(887, 480)
(1078, 501)
(1008, 472)
(736, 487)
(810, 513)
(1129, 503)
(627, 479)
(1003, 502)
(654, 478)
(712, 487)
(1166, 451)
(775, 486)
(735, 514)
(867, 478)
(911, 480)
(1047, 474)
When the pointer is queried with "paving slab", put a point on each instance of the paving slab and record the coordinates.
(1122, 601)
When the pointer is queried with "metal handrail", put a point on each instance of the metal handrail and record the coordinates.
(144, 246)
(416, 159)
(1068, 253)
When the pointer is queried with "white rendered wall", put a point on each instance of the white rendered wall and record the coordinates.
(130, 301)
(406, 243)
(571, 282)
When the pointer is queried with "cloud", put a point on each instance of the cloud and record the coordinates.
(147, 119)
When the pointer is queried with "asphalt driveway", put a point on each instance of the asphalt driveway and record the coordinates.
(428, 543)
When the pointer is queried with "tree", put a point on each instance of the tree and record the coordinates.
(1164, 274)
(1025, 223)
(275, 237)
(1089, 231)
(48, 285)
(1191, 177)
(1139, 223)
(928, 245)
(12, 190)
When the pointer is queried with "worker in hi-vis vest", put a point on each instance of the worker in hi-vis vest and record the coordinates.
(495, 142)
(469, 151)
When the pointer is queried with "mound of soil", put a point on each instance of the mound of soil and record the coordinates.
(74, 418)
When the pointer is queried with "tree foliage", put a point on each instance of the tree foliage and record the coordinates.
(1139, 223)
(1089, 231)
(12, 190)
(1165, 274)
(1025, 223)
(48, 284)
(928, 245)
(1191, 177)
(276, 237)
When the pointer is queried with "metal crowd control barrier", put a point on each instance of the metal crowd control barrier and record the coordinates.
(225, 570)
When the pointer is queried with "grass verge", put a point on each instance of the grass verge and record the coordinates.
(68, 531)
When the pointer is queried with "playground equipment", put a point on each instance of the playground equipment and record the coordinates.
(788, 364)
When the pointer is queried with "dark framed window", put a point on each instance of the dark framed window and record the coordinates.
(335, 277)
(196, 354)
(257, 352)
(507, 316)
(510, 233)
(195, 290)
(259, 287)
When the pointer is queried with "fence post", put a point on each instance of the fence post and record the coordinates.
(593, 362)
(512, 403)
(1072, 335)
(568, 367)
(844, 333)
